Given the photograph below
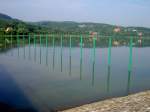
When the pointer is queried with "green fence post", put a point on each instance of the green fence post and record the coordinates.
(70, 55)
(93, 68)
(40, 47)
(34, 47)
(61, 50)
(24, 45)
(11, 45)
(29, 46)
(53, 52)
(130, 55)
(18, 44)
(5, 42)
(109, 52)
(81, 47)
(47, 50)
(130, 65)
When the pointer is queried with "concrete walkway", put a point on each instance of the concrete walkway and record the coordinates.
(139, 102)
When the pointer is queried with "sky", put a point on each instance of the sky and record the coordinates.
(117, 12)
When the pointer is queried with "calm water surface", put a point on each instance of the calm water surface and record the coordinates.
(44, 78)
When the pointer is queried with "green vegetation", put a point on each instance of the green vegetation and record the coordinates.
(9, 25)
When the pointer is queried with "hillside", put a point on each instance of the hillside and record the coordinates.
(66, 27)
(3, 16)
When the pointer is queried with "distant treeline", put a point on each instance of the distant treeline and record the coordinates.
(9, 25)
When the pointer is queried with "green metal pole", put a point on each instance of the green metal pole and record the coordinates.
(18, 43)
(5, 42)
(29, 46)
(93, 68)
(11, 45)
(81, 47)
(40, 47)
(61, 50)
(24, 45)
(70, 56)
(53, 52)
(34, 47)
(130, 55)
(109, 52)
(47, 50)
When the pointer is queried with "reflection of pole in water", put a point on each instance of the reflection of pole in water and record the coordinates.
(18, 44)
(29, 47)
(61, 50)
(40, 47)
(109, 51)
(108, 79)
(35, 48)
(24, 46)
(5, 44)
(47, 50)
(5, 41)
(11, 45)
(129, 82)
(93, 67)
(70, 56)
(53, 52)
(81, 47)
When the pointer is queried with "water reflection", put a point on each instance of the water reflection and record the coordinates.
(129, 82)
(94, 72)
(108, 79)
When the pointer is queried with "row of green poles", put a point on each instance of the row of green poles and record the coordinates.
(61, 50)
(70, 56)
(53, 52)
(81, 47)
(93, 67)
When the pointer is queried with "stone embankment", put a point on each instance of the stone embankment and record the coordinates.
(139, 102)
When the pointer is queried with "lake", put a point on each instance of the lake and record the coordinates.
(40, 77)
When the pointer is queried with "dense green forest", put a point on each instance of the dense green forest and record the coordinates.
(9, 25)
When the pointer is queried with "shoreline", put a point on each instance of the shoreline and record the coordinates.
(138, 102)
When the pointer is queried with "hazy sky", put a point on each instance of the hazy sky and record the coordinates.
(120, 12)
